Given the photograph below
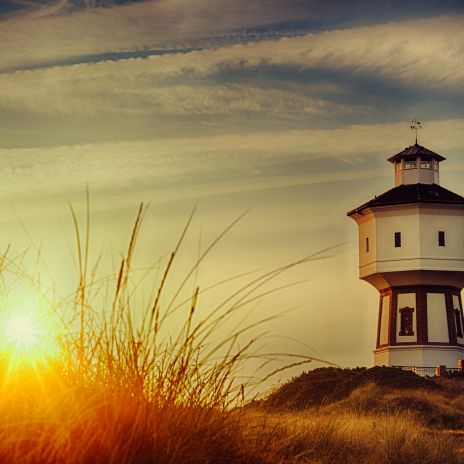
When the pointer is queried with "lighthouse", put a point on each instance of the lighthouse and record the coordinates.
(411, 249)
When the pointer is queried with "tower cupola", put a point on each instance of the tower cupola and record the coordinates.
(416, 165)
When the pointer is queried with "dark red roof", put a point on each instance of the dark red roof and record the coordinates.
(416, 150)
(413, 193)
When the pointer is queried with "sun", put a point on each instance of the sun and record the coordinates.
(22, 331)
(28, 333)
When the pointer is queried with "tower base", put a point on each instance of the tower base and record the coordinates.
(419, 356)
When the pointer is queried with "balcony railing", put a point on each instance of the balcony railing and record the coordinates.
(433, 371)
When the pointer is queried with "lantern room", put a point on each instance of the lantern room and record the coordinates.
(416, 165)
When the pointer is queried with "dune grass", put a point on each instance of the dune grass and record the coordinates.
(347, 437)
(73, 425)
(122, 385)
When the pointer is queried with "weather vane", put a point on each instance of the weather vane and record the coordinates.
(415, 126)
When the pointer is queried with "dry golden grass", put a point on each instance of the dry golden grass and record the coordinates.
(81, 425)
(439, 409)
(346, 437)
(124, 389)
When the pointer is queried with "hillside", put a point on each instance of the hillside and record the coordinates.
(327, 385)
(437, 403)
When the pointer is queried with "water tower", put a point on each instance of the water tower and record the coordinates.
(411, 249)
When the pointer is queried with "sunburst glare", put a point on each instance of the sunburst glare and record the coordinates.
(29, 332)
(22, 331)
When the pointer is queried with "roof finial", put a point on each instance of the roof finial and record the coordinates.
(415, 126)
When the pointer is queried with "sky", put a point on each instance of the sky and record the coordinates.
(284, 109)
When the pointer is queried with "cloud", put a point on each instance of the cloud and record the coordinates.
(427, 54)
(64, 92)
(189, 168)
(50, 34)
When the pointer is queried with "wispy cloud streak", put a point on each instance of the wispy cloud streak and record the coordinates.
(425, 53)
(194, 167)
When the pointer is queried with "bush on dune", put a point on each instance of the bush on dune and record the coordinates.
(327, 385)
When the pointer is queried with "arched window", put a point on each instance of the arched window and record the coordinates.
(406, 322)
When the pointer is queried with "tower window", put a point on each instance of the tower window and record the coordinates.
(410, 164)
(367, 244)
(397, 239)
(406, 323)
(398, 165)
(441, 238)
(457, 318)
(426, 164)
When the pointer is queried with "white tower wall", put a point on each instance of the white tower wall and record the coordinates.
(437, 321)
(405, 221)
(451, 222)
(385, 320)
(419, 356)
(367, 230)
(419, 226)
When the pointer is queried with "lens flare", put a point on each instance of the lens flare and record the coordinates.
(21, 331)
(30, 334)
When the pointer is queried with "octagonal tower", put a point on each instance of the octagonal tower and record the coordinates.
(411, 249)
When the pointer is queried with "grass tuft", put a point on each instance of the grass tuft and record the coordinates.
(128, 382)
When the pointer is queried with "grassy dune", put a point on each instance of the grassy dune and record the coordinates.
(350, 437)
(109, 383)
(75, 425)
(436, 402)
(54, 422)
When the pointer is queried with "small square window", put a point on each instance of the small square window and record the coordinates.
(441, 238)
(397, 239)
